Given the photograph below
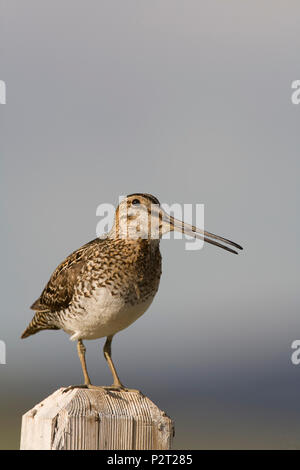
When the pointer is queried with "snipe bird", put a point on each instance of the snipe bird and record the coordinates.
(107, 284)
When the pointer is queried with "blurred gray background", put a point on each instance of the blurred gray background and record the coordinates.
(190, 101)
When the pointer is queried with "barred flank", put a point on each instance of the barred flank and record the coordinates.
(40, 321)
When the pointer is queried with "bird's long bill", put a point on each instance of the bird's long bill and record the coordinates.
(192, 231)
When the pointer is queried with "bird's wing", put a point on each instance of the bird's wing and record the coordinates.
(60, 289)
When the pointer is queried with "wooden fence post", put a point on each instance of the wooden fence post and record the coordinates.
(96, 419)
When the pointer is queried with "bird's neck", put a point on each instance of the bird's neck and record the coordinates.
(132, 232)
(132, 238)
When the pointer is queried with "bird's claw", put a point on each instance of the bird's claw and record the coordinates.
(112, 388)
(72, 387)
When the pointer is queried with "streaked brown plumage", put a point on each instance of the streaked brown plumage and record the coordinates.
(130, 268)
(105, 285)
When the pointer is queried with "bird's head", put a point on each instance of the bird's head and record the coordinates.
(140, 215)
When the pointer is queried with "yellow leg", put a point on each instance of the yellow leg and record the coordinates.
(116, 386)
(81, 353)
(107, 354)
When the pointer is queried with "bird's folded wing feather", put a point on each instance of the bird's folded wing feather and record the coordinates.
(60, 288)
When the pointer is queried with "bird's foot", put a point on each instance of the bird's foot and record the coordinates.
(112, 388)
(71, 387)
(120, 388)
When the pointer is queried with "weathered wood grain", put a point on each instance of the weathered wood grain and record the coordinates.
(96, 419)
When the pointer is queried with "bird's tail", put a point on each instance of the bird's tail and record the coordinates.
(40, 321)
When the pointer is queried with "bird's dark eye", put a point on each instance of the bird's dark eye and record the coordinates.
(135, 202)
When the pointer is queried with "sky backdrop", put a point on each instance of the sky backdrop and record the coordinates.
(190, 101)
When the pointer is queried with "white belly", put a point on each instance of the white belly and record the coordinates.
(102, 315)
